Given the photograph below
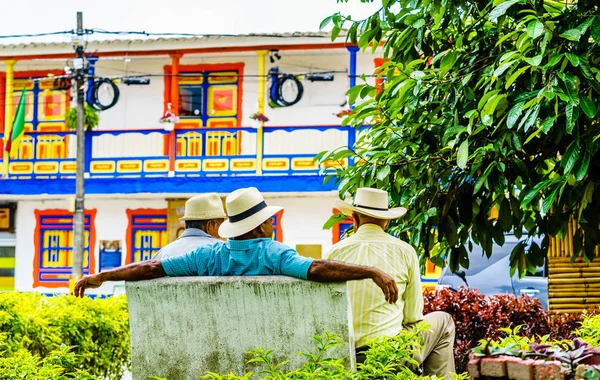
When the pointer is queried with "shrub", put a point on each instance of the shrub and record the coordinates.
(477, 317)
(95, 332)
(564, 326)
(386, 359)
(59, 365)
(589, 331)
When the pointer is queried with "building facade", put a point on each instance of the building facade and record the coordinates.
(140, 172)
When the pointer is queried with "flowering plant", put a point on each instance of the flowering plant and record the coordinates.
(259, 116)
(169, 117)
(343, 113)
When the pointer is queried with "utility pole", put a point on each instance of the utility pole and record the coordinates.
(78, 220)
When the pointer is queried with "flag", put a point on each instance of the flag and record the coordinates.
(18, 128)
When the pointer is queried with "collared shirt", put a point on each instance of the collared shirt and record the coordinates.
(373, 317)
(189, 240)
(252, 257)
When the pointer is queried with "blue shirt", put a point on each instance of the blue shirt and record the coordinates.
(252, 257)
(189, 240)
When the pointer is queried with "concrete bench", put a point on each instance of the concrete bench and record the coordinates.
(184, 327)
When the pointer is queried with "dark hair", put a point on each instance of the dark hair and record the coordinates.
(200, 224)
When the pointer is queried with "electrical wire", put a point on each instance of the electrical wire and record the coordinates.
(38, 34)
(150, 34)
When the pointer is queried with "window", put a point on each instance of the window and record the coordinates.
(45, 108)
(209, 99)
(53, 242)
(7, 268)
(190, 101)
(146, 234)
(277, 230)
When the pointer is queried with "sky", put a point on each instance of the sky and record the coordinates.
(173, 16)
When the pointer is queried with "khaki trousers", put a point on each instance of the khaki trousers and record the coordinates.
(437, 356)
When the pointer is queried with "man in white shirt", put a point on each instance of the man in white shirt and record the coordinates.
(203, 216)
(372, 317)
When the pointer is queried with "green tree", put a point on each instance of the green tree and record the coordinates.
(486, 105)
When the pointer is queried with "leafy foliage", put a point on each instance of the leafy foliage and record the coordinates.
(488, 104)
(589, 331)
(91, 119)
(387, 359)
(61, 364)
(478, 317)
(95, 332)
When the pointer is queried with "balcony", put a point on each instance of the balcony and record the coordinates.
(161, 161)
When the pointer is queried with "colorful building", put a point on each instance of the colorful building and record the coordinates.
(139, 173)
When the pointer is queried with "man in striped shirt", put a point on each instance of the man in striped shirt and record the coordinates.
(370, 245)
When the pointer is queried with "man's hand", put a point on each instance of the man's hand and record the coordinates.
(337, 271)
(387, 285)
(91, 281)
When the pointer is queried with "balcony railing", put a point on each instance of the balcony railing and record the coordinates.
(186, 152)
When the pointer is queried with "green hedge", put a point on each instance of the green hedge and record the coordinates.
(91, 337)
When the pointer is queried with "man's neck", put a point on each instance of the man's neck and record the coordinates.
(370, 224)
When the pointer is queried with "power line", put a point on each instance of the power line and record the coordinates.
(38, 34)
(89, 32)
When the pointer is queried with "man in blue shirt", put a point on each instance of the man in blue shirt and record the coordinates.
(250, 251)
(203, 216)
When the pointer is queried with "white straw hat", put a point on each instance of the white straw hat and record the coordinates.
(371, 202)
(247, 210)
(204, 207)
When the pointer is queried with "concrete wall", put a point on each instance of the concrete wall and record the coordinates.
(182, 328)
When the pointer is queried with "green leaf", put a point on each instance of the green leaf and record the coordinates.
(447, 63)
(418, 23)
(479, 183)
(384, 172)
(333, 220)
(571, 35)
(596, 29)
(325, 22)
(570, 157)
(549, 200)
(569, 110)
(505, 216)
(534, 61)
(484, 99)
(490, 106)
(587, 106)
(582, 169)
(451, 235)
(501, 9)
(535, 192)
(462, 156)
(548, 124)
(535, 29)
(573, 59)
(335, 32)
(554, 60)
(514, 76)
(532, 118)
(502, 68)
(514, 114)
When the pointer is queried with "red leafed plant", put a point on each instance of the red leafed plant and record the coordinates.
(478, 317)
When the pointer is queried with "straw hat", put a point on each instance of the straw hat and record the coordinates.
(204, 207)
(371, 202)
(247, 210)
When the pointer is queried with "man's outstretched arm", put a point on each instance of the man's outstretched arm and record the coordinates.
(144, 270)
(337, 271)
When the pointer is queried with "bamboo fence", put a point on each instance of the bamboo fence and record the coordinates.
(572, 287)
